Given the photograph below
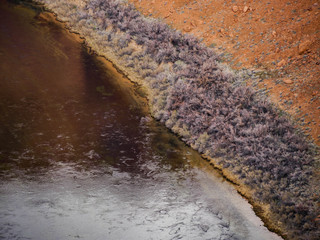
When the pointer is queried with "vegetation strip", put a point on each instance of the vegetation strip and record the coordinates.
(206, 104)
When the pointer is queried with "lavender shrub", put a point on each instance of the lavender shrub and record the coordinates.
(205, 103)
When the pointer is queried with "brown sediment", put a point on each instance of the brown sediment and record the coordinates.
(52, 17)
(110, 61)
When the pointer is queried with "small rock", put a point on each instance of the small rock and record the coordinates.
(287, 81)
(295, 95)
(204, 228)
(274, 33)
(281, 63)
(245, 9)
(187, 29)
(277, 50)
(303, 47)
(235, 8)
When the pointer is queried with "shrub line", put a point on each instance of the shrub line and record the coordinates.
(209, 107)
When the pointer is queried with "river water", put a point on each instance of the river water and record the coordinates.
(80, 157)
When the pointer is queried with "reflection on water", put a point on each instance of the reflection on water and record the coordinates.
(81, 158)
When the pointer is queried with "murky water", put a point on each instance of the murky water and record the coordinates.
(81, 159)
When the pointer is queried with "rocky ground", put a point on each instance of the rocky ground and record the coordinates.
(280, 40)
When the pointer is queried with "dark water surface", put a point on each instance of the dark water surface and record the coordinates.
(80, 158)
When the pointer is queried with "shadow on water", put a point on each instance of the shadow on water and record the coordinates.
(62, 96)
(80, 157)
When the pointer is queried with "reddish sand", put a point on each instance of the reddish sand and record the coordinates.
(281, 38)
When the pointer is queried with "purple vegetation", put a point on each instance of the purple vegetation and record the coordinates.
(197, 98)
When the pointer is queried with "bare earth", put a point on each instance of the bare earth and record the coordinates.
(279, 38)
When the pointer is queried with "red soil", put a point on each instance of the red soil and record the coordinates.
(281, 38)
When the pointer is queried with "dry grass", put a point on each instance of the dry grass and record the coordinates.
(205, 103)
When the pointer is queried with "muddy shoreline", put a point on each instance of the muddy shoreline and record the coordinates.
(260, 210)
(228, 176)
(229, 162)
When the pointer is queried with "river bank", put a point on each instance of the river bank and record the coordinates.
(81, 158)
(209, 107)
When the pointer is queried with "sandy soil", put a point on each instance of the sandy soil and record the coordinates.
(279, 38)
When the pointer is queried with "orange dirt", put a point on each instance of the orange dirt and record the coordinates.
(280, 38)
